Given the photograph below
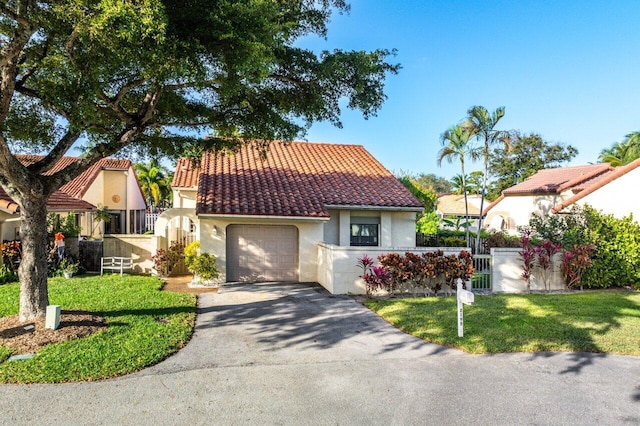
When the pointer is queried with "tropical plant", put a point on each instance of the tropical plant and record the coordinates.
(68, 265)
(482, 124)
(456, 145)
(100, 216)
(575, 262)
(544, 260)
(528, 255)
(621, 153)
(66, 225)
(155, 182)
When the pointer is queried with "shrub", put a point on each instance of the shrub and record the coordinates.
(575, 262)
(616, 257)
(204, 266)
(453, 242)
(500, 239)
(161, 262)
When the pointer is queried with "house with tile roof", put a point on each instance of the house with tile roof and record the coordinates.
(264, 217)
(553, 191)
(109, 182)
(451, 207)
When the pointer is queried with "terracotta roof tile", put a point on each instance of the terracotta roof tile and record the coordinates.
(59, 201)
(453, 204)
(592, 185)
(295, 179)
(558, 179)
(79, 186)
(186, 174)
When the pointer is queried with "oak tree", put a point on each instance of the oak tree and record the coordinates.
(146, 75)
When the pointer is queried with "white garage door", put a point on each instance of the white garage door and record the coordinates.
(262, 253)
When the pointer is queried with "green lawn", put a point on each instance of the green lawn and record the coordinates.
(593, 321)
(145, 325)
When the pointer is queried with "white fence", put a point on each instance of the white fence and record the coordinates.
(150, 221)
(337, 265)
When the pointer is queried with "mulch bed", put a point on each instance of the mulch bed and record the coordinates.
(73, 325)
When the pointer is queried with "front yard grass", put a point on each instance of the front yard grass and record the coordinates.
(592, 321)
(144, 326)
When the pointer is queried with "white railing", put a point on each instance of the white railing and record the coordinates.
(150, 221)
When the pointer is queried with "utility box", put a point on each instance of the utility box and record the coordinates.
(52, 320)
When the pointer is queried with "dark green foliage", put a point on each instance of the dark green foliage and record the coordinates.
(437, 184)
(500, 239)
(453, 242)
(425, 195)
(616, 259)
(528, 154)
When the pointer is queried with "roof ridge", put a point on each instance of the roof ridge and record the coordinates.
(616, 172)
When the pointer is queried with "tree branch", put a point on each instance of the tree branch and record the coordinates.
(63, 145)
(35, 95)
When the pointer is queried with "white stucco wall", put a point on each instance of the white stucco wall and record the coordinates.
(184, 198)
(139, 247)
(213, 230)
(614, 198)
(135, 199)
(337, 266)
(520, 208)
(506, 275)
(397, 228)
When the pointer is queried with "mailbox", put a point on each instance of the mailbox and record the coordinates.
(465, 296)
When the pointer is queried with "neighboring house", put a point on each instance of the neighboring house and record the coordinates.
(110, 182)
(451, 206)
(264, 218)
(59, 202)
(554, 191)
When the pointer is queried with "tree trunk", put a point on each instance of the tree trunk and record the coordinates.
(33, 267)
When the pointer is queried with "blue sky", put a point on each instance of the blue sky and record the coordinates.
(569, 70)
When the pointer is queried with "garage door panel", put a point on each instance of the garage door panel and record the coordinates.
(262, 253)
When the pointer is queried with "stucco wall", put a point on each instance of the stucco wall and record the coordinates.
(520, 208)
(212, 235)
(614, 198)
(337, 266)
(184, 198)
(135, 199)
(139, 247)
(397, 229)
(506, 275)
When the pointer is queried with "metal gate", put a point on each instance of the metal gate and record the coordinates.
(481, 279)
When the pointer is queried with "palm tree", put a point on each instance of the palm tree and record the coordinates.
(456, 145)
(155, 181)
(482, 125)
(622, 153)
(472, 182)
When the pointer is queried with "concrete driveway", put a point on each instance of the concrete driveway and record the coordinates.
(293, 354)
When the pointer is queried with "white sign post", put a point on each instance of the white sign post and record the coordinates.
(464, 297)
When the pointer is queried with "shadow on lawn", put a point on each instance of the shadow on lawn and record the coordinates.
(581, 317)
(305, 315)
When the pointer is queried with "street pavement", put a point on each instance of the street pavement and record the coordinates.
(294, 354)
